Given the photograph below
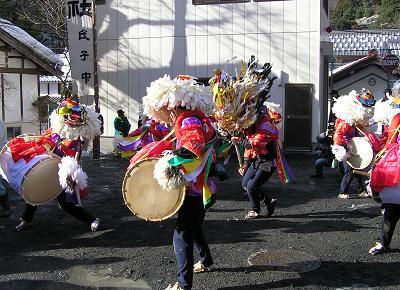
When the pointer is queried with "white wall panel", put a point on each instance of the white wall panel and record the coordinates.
(315, 15)
(303, 57)
(155, 19)
(238, 47)
(191, 55)
(290, 16)
(155, 57)
(134, 79)
(251, 17)
(2, 59)
(213, 53)
(112, 64)
(133, 17)
(290, 56)
(123, 18)
(190, 19)
(303, 15)
(167, 48)
(202, 56)
(238, 16)
(213, 19)
(167, 13)
(12, 103)
(112, 20)
(144, 18)
(201, 19)
(145, 63)
(277, 16)
(226, 23)
(29, 94)
(264, 17)
(122, 74)
(264, 47)
(29, 64)
(53, 88)
(226, 51)
(250, 45)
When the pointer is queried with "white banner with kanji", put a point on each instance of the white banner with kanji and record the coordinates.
(80, 40)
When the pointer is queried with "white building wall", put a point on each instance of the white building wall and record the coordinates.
(140, 41)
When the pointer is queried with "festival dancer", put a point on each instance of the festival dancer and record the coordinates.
(75, 125)
(385, 176)
(353, 112)
(185, 105)
(149, 132)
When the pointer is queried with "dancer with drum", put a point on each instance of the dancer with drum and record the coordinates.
(184, 104)
(75, 124)
(353, 112)
(385, 176)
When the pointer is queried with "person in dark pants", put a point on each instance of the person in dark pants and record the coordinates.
(347, 178)
(188, 235)
(259, 164)
(325, 157)
(69, 207)
(253, 179)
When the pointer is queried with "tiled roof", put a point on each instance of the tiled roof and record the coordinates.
(359, 42)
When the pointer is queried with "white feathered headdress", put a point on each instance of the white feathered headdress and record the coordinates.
(165, 93)
(87, 131)
(349, 109)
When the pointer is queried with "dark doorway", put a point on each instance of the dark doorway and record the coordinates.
(298, 118)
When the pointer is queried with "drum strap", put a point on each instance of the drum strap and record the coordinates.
(383, 151)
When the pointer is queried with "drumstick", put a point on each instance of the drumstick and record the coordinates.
(368, 174)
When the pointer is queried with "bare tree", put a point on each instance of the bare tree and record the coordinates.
(49, 16)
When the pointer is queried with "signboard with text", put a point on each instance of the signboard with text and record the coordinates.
(80, 40)
(390, 62)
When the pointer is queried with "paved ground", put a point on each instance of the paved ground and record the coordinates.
(60, 253)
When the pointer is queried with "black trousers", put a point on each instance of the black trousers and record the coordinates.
(188, 235)
(390, 218)
(252, 180)
(70, 207)
(347, 177)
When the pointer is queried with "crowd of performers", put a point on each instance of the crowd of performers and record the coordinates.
(188, 127)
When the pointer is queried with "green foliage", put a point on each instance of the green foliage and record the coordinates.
(344, 14)
(389, 14)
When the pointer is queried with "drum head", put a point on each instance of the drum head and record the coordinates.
(144, 196)
(361, 153)
(40, 184)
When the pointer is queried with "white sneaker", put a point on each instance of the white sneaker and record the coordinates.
(95, 225)
(173, 287)
(200, 268)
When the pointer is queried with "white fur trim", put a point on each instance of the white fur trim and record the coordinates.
(168, 177)
(396, 89)
(340, 153)
(273, 107)
(70, 169)
(349, 109)
(165, 94)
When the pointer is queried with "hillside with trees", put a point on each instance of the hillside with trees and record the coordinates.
(378, 14)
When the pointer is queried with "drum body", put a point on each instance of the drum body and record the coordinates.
(144, 196)
(361, 153)
(36, 180)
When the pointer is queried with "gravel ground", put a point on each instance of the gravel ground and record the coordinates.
(58, 252)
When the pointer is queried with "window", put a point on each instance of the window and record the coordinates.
(13, 132)
(205, 2)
